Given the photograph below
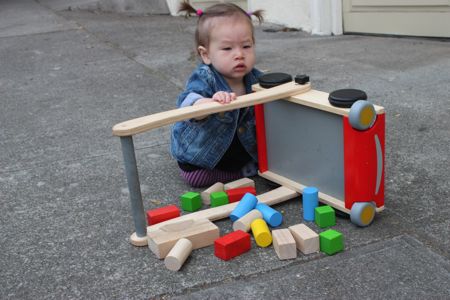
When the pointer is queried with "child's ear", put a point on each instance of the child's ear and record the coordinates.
(204, 55)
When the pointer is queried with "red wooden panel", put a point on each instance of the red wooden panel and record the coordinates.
(261, 137)
(361, 161)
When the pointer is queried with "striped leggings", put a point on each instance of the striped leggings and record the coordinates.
(204, 177)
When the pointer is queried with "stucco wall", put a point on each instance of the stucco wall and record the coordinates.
(290, 13)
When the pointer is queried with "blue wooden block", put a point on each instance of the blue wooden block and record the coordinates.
(270, 215)
(247, 203)
(310, 202)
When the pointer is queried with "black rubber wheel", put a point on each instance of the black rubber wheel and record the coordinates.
(273, 79)
(346, 97)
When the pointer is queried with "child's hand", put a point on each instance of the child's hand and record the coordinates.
(224, 97)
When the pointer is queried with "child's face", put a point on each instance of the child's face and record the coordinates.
(231, 48)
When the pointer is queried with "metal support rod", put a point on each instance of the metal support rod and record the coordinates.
(131, 171)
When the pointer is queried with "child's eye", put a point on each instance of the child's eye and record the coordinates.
(247, 46)
(226, 48)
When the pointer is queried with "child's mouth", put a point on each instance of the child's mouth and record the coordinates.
(240, 67)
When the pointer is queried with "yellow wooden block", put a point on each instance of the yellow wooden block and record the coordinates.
(261, 233)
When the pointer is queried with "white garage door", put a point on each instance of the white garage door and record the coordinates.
(429, 18)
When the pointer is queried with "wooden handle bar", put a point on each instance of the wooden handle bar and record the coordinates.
(142, 124)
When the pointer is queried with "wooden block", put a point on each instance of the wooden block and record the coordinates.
(219, 199)
(324, 216)
(235, 195)
(243, 182)
(273, 197)
(244, 222)
(261, 233)
(162, 214)
(205, 195)
(178, 254)
(190, 201)
(232, 245)
(270, 215)
(284, 244)
(306, 239)
(310, 199)
(331, 241)
(247, 203)
(201, 233)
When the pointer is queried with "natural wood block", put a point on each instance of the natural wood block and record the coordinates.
(243, 182)
(178, 254)
(205, 195)
(284, 244)
(201, 233)
(244, 222)
(306, 239)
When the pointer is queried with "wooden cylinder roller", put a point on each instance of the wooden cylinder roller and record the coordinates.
(245, 222)
(178, 255)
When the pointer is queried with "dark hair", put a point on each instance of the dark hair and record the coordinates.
(217, 10)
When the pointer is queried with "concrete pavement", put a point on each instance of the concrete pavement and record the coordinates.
(67, 77)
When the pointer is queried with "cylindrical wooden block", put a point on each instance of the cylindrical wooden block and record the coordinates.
(247, 203)
(310, 197)
(178, 255)
(261, 233)
(244, 222)
(270, 215)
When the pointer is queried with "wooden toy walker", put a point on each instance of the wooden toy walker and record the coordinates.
(303, 140)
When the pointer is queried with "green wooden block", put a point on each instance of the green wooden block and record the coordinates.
(218, 199)
(331, 241)
(324, 216)
(191, 201)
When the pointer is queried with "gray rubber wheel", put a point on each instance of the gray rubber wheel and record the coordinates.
(362, 115)
(362, 213)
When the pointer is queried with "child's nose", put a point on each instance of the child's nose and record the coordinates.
(239, 53)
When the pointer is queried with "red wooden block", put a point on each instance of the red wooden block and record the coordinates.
(235, 195)
(158, 215)
(232, 245)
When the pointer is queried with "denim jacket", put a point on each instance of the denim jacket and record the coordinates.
(203, 142)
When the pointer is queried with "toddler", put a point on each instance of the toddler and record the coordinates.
(220, 147)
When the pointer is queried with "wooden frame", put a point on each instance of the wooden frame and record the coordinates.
(291, 92)
(127, 129)
(354, 154)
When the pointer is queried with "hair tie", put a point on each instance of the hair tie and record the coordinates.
(199, 12)
(249, 13)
